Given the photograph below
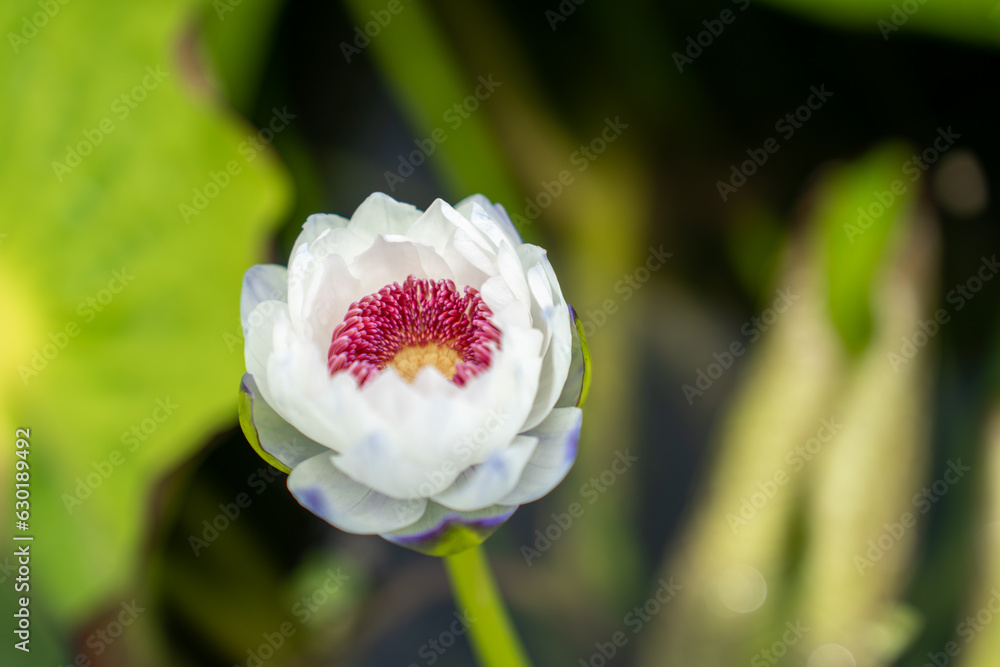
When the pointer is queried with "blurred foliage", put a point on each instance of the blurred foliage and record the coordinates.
(117, 305)
(859, 209)
(800, 486)
(236, 39)
(983, 606)
(468, 162)
(966, 20)
(173, 335)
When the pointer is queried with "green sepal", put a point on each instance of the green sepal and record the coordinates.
(250, 431)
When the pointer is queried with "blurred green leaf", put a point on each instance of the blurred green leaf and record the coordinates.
(754, 243)
(968, 20)
(428, 82)
(238, 36)
(125, 302)
(801, 488)
(857, 214)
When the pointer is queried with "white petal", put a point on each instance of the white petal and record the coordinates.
(531, 255)
(327, 409)
(482, 259)
(485, 484)
(381, 214)
(508, 225)
(303, 287)
(439, 426)
(377, 462)
(391, 259)
(431, 430)
(497, 294)
(352, 507)
(502, 398)
(262, 282)
(341, 241)
(496, 214)
(465, 271)
(432, 229)
(444, 209)
(335, 289)
(478, 216)
(260, 338)
(558, 437)
(509, 266)
(315, 225)
(551, 314)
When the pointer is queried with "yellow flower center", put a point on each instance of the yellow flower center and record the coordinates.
(409, 360)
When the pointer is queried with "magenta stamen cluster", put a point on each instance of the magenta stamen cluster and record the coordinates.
(415, 314)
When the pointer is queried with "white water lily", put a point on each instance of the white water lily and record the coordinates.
(417, 373)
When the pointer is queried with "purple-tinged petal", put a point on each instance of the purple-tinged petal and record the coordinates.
(482, 485)
(444, 532)
(336, 498)
(558, 437)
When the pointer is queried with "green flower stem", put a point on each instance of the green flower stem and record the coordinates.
(494, 640)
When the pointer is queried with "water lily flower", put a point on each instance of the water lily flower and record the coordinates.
(418, 374)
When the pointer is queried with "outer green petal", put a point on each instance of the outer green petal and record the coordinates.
(577, 385)
(275, 440)
(585, 354)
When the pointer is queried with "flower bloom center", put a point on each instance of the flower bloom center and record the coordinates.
(416, 324)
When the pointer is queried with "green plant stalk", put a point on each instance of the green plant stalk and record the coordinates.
(494, 640)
